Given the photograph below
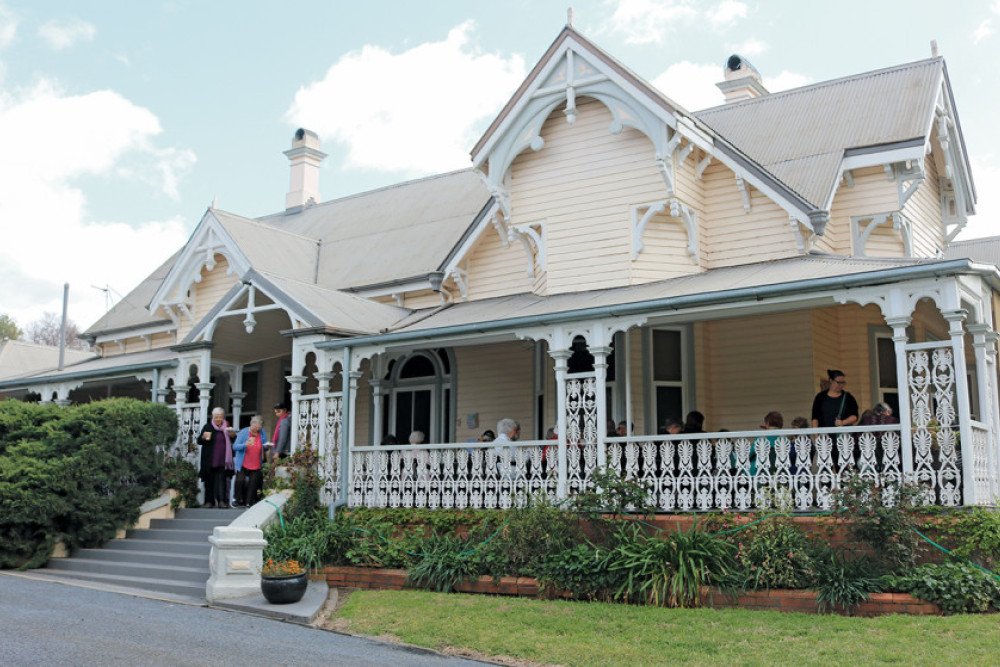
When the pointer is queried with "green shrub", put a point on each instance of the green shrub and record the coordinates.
(955, 587)
(974, 535)
(583, 570)
(888, 530)
(531, 533)
(612, 494)
(78, 473)
(182, 476)
(773, 554)
(845, 583)
(311, 539)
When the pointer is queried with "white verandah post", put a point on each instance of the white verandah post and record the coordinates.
(562, 484)
(984, 344)
(899, 341)
(957, 332)
(601, 377)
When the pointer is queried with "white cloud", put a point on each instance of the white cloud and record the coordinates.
(647, 21)
(726, 13)
(8, 26)
(984, 30)
(692, 85)
(419, 111)
(751, 47)
(63, 34)
(49, 140)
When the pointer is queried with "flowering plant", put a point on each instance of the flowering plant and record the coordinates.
(281, 568)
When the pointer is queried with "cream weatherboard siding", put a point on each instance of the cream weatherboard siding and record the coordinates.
(731, 236)
(494, 381)
(872, 193)
(924, 211)
(583, 184)
(495, 270)
(755, 365)
(207, 293)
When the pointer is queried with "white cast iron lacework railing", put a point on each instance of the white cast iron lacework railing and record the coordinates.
(188, 428)
(329, 450)
(750, 470)
(981, 462)
(936, 463)
(478, 475)
(308, 422)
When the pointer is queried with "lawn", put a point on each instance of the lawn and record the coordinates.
(574, 633)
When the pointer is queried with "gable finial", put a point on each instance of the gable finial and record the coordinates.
(934, 51)
(215, 202)
(569, 17)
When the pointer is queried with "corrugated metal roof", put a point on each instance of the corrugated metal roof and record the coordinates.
(985, 250)
(393, 233)
(272, 249)
(18, 357)
(808, 125)
(99, 366)
(339, 310)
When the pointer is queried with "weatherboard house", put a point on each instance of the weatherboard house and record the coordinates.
(608, 256)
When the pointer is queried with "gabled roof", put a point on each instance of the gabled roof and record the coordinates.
(399, 232)
(18, 357)
(800, 136)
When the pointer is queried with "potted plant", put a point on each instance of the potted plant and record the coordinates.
(283, 581)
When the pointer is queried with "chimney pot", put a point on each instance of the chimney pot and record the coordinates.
(741, 80)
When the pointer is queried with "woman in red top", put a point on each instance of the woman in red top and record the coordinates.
(250, 446)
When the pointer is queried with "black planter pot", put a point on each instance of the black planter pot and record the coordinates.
(284, 590)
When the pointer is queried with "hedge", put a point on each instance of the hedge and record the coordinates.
(78, 473)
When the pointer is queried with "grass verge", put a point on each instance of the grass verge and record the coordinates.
(569, 633)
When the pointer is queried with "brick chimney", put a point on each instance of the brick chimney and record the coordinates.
(741, 80)
(304, 157)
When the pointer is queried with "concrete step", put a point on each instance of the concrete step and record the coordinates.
(168, 534)
(207, 525)
(193, 575)
(199, 547)
(178, 588)
(148, 557)
(223, 515)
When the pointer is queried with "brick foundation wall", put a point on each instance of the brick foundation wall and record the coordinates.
(775, 600)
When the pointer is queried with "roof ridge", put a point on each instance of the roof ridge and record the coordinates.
(390, 186)
(269, 226)
(819, 84)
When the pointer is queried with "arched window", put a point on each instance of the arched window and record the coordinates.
(419, 396)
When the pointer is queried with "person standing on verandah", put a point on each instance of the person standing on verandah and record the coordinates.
(835, 406)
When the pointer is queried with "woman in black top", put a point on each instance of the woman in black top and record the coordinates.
(835, 406)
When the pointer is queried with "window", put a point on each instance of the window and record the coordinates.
(419, 397)
(887, 382)
(667, 367)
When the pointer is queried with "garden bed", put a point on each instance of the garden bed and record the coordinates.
(786, 600)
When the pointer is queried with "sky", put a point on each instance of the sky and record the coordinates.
(122, 121)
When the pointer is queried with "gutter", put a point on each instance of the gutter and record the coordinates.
(865, 279)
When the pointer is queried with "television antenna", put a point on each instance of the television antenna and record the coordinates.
(108, 290)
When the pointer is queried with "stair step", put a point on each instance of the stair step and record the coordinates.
(149, 557)
(150, 571)
(167, 534)
(180, 588)
(222, 515)
(164, 546)
(186, 524)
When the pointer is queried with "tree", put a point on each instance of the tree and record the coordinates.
(9, 328)
(46, 332)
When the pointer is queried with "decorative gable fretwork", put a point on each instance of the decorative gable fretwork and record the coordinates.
(863, 226)
(955, 181)
(573, 72)
(532, 237)
(176, 293)
(908, 177)
(643, 213)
